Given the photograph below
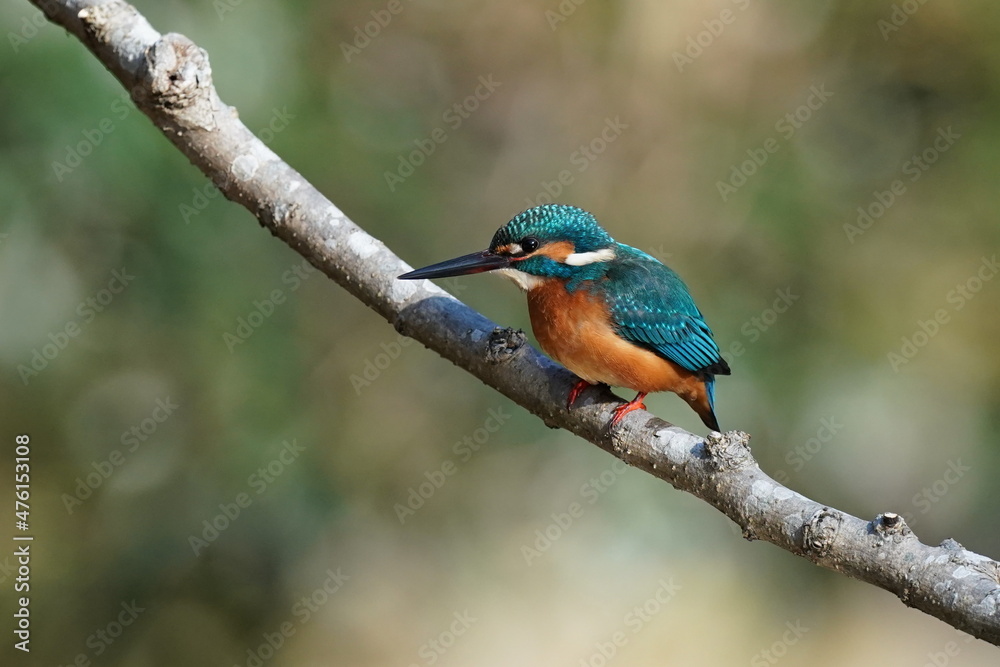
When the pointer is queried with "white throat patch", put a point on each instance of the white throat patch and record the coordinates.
(525, 281)
(584, 258)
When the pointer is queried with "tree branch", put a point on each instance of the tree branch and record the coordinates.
(171, 82)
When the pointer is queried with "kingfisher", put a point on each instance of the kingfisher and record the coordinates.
(609, 312)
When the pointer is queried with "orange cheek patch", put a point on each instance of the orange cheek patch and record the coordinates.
(558, 250)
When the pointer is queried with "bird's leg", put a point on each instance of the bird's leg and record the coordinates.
(575, 392)
(622, 410)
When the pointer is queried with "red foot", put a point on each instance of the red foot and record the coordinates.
(622, 410)
(576, 391)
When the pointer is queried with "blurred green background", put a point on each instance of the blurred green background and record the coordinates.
(735, 140)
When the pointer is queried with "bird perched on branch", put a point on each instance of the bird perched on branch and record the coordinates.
(606, 311)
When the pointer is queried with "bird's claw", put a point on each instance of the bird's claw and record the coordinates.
(575, 392)
(622, 410)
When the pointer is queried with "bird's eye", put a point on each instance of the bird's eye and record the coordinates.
(529, 244)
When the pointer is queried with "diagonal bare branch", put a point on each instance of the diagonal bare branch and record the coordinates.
(171, 82)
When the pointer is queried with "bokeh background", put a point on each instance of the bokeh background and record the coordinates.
(323, 424)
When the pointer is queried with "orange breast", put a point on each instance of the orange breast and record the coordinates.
(575, 329)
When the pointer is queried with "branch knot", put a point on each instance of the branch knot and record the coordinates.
(504, 344)
(820, 531)
(728, 451)
(179, 78)
(891, 525)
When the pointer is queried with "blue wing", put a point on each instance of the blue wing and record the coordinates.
(652, 307)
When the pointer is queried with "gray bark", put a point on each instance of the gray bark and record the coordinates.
(171, 82)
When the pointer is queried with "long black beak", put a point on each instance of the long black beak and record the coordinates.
(477, 262)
